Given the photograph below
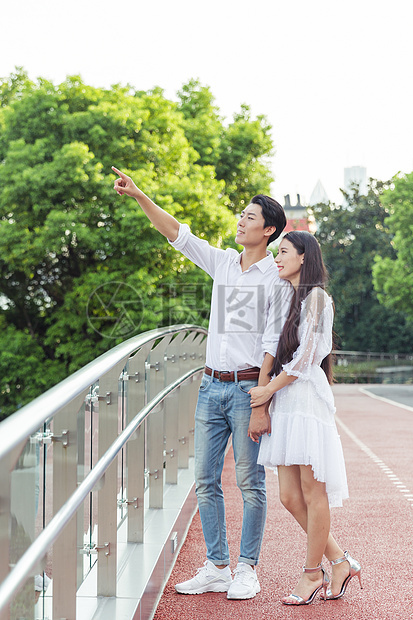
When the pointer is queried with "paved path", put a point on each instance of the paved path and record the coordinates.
(375, 525)
(402, 394)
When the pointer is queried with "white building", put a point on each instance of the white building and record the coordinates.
(318, 195)
(358, 175)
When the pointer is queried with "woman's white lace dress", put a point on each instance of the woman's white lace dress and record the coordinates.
(303, 428)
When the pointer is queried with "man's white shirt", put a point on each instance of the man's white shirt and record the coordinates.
(248, 309)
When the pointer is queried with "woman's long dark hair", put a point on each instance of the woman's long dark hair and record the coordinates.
(313, 273)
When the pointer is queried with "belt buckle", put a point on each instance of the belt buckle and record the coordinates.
(222, 372)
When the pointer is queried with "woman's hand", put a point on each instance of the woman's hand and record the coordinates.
(260, 395)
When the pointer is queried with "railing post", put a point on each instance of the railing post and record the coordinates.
(173, 360)
(173, 366)
(135, 448)
(171, 437)
(199, 348)
(65, 551)
(193, 398)
(107, 504)
(155, 456)
(192, 353)
(155, 424)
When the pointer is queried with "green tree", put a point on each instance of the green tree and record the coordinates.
(69, 245)
(239, 151)
(350, 236)
(203, 125)
(393, 275)
(243, 164)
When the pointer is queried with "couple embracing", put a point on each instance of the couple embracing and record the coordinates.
(267, 384)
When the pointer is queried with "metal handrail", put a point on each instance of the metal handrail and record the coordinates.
(17, 428)
(373, 354)
(22, 569)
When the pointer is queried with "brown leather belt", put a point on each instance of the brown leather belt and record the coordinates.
(250, 374)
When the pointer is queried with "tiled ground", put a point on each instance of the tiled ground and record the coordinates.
(375, 525)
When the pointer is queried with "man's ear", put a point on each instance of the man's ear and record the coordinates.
(269, 231)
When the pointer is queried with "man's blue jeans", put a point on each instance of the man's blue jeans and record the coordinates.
(224, 408)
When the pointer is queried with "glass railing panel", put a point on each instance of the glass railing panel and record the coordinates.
(148, 390)
(121, 491)
(29, 602)
(30, 509)
(42, 597)
(87, 432)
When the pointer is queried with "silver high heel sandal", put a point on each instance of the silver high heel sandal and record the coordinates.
(355, 569)
(297, 600)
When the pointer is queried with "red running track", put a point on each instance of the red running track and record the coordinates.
(375, 526)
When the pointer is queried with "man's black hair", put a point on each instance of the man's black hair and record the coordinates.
(273, 214)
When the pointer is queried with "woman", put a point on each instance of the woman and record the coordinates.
(304, 442)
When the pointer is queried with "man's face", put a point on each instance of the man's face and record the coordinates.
(250, 227)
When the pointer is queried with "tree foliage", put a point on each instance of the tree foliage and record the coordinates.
(239, 151)
(82, 268)
(351, 235)
(393, 275)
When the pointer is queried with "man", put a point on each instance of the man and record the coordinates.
(248, 306)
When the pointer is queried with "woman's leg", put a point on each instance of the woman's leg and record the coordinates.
(318, 515)
(306, 499)
(318, 528)
(291, 496)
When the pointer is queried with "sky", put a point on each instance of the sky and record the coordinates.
(333, 77)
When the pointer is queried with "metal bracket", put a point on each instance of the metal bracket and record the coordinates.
(92, 549)
(47, 437)
(170, 452)
(64, 438)
(184, 356)
(127, 377)
(154, 473)
(107, 398)
(172, 358)
(129, 502)
(157, 366)
(183, 440)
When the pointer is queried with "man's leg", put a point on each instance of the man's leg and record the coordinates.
(251, 481)
(211, 437)
(250, 476)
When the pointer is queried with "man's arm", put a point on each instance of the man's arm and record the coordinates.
(165, 223)
(260, 421)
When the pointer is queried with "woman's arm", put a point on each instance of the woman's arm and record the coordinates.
(260, 395)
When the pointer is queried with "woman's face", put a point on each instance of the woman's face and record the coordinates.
(289, 262)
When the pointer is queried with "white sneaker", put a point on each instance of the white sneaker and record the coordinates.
(245, 583)
(208, 578)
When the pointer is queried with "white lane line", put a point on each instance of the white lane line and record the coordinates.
(385, 400)
(386, 470)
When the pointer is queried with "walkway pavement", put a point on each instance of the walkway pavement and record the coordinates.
(375, 525)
